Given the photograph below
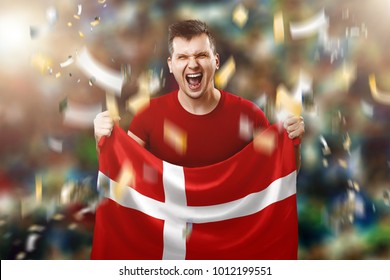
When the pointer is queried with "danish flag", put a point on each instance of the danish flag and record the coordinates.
(241, 208)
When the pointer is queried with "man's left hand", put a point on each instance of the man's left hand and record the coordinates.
(294, 126)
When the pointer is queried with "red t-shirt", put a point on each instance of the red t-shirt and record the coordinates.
(174, 135)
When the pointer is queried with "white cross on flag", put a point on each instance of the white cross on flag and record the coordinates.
(241, 208)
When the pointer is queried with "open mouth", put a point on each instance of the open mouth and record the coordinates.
(194, 80)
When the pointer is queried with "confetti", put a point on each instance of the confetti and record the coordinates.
(81, 116)
(58, 217)
(142, 97)
(36, 228)
(150, 174)
(41, 62)
(278, 28)
(265, 142)
(240, 15)
(126, 72)
(31, 242)
(386, 197)
(125, 179)
(112, 107)
(226, 72)
(325, 150)
(347, 143)
(175, 137)
(79, 9)
(105, 77)
(68, 62)
(96, 22)
(63, 104)
(381, 97)
(137, 103)
(287, 104)
(317, 24)
(246, 128)
(52, 15)
(55, 144)
(38, 188)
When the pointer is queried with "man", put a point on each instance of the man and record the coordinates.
(198, 124)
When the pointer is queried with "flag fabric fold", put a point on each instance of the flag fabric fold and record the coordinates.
(241, 208)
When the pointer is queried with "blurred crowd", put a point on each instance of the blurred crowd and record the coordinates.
(330, 55)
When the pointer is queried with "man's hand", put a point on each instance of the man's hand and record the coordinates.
(294, 126)
(103, 125)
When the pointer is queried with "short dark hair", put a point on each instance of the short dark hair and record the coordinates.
(188, 29)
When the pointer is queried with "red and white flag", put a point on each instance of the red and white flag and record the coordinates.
(241, 208)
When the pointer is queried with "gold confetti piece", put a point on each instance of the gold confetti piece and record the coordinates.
(175, 137)
(101, 1)
(58, 74)
(223, 76)
(68, 62)
(38, 188)
(81, 34)
(21, 256)
(37, 228)
(325, 163)
(41, 62)
(240, 15)
(70, 24)
(125, 179)
(286, 102)
(265, 142)
(72, 226)
(278, 28)
(76, 17)
(343, 163)
(58, 217)
(319, 23)
(137, 103)
(112, 107)
(95, 22)
(347, 143)
(381, 97)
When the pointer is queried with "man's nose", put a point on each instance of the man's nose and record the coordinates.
(192, 62)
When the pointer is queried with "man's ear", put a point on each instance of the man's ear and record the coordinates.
(169, 61)
(217, 61)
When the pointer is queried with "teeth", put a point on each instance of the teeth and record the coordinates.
(194, 75)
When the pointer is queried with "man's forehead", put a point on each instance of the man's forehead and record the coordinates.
(200, 43)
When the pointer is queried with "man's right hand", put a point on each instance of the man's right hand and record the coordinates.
(103, 124)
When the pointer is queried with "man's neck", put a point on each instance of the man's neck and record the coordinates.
(200, 106)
